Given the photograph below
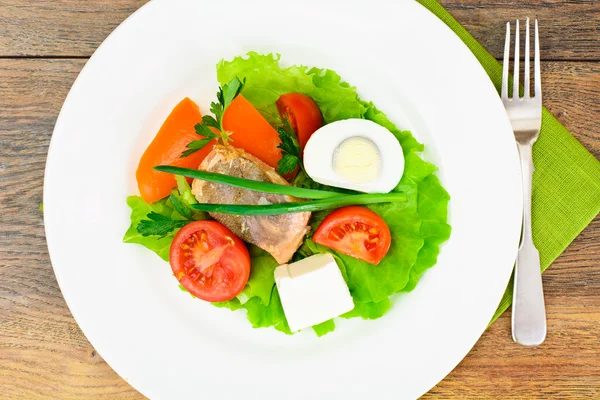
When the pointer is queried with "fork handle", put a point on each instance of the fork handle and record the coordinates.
(528, 310)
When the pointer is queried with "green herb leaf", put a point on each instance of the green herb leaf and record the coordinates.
(230, 91)
(290, 149)
(302, 206)
(210, 121)
(194, 147)
(287, 164)
(220, 98)
(202, 129)
(289, 142)
(302, 180)
(158, 225)
(139, 210)
(225, 138)
(180, 207)
(225, 96)
(250, 184)
(217, 109)
(205, 131)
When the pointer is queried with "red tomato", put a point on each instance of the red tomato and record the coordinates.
(357, 232)
(302, 113)
(210, 261)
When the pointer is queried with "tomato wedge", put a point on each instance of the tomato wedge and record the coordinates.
(357, 232)
(210, 261)
(166, 148)
(302, 113)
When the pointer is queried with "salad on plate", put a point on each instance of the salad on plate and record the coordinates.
(293, 199)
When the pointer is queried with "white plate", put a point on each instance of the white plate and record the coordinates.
(169, 346)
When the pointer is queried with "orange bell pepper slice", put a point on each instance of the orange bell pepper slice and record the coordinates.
(166, 148)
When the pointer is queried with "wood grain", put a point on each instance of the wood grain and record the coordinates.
(567, 365)
(43, 353)
(571, 92)
(570, 28)
(59, 27)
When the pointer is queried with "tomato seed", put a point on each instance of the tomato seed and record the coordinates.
(203, 236)
(336, 234)
(370, 246)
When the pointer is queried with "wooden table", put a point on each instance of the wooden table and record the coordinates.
(43, 354)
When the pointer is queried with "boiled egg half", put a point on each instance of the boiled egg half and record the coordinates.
(355, 154)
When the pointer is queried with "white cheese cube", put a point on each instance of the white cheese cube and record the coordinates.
(312, 291)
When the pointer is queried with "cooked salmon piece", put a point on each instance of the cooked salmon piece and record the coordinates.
(280, 235)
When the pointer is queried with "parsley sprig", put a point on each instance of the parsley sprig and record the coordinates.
(180, 200)
(158, 225)
(290, 149)
(206, 128)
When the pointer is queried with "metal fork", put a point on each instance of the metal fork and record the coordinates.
(525, 114)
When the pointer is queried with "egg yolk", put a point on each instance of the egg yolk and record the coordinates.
(358, 160)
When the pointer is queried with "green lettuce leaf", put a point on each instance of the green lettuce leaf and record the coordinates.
(139, 210)
(262, 279)
(418, 226)
(266, 81)
(175, 207)
(259, 314)
(370, 310)
(324, 328)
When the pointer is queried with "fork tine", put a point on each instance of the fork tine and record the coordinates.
(505, 63)
(515, 94)
(526, 83)
(537, 78)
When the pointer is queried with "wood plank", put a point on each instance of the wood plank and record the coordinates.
(567, 364)
(43, 353)
(571, 91)
(567, 28)
(76, 28)
(59, 27)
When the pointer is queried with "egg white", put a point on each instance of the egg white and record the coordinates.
(320, 149)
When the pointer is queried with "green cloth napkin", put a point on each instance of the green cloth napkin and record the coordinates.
(566, 181)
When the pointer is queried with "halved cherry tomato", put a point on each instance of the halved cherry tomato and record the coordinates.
(302, 113)
(166, 148)
(210, 261)
(357, 232)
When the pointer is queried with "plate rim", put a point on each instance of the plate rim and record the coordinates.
(133, 16)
